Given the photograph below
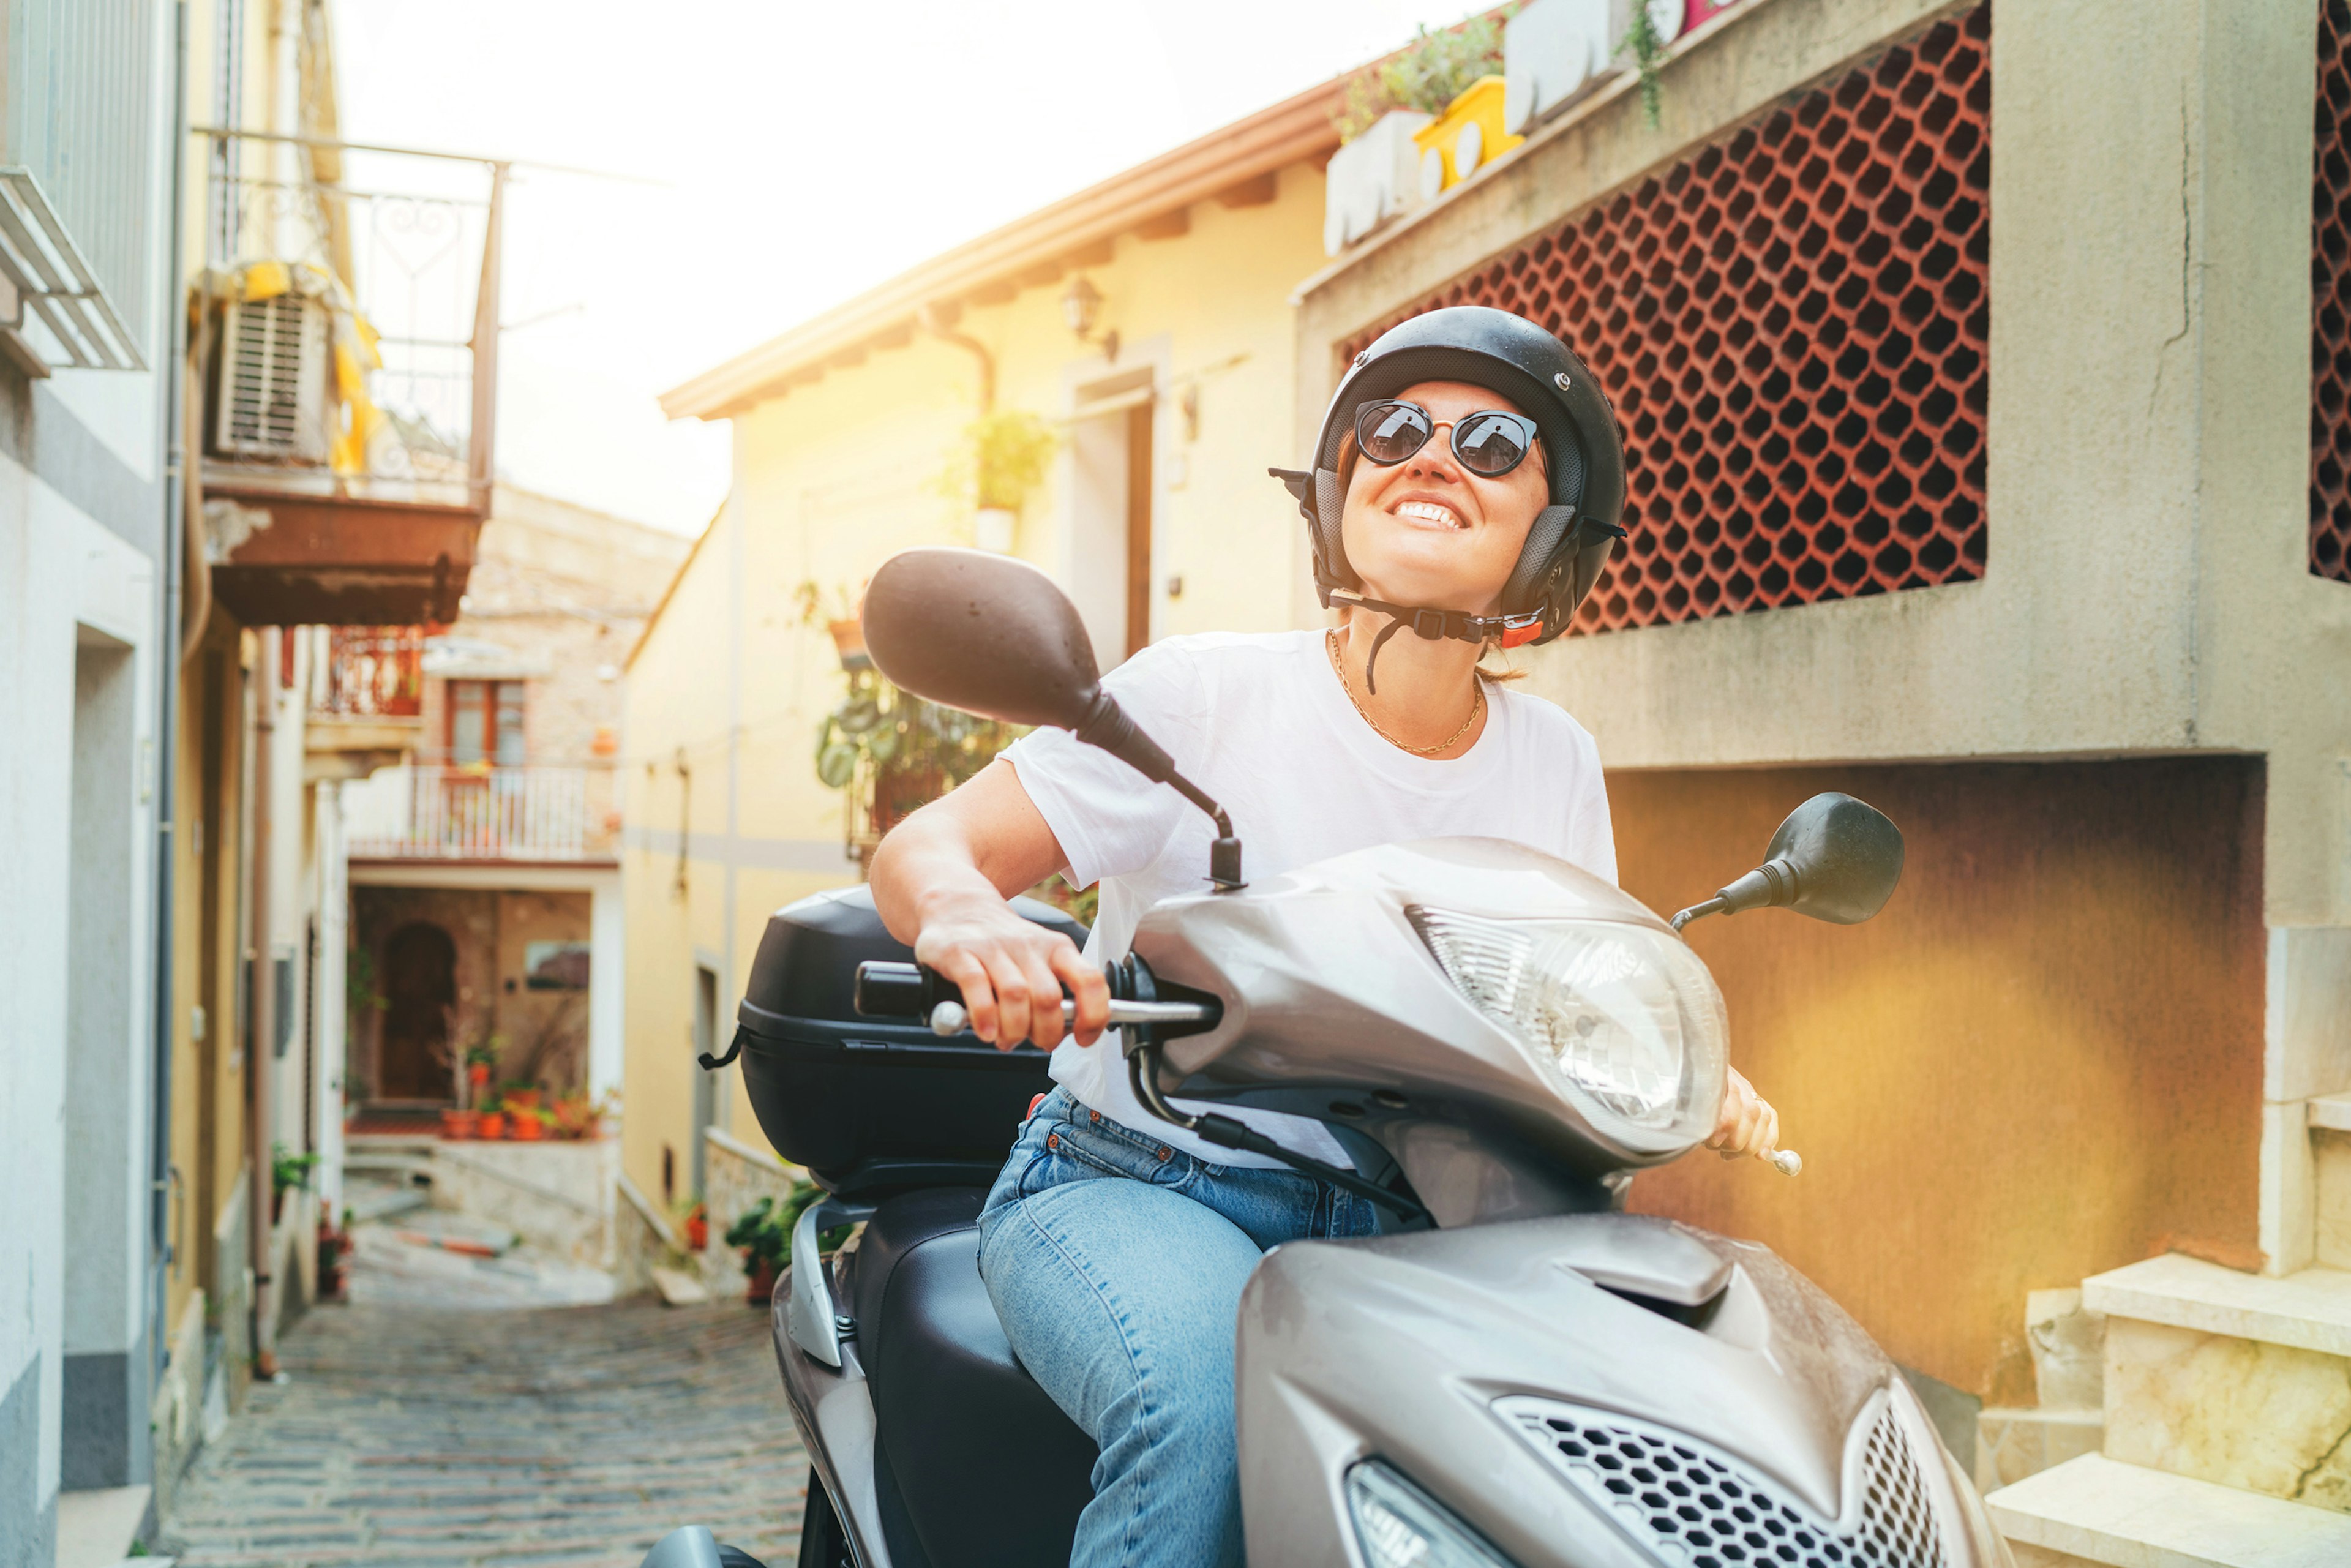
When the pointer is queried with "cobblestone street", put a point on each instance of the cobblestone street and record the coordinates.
(579, 1435)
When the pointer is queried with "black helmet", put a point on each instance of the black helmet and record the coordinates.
(1571, 538)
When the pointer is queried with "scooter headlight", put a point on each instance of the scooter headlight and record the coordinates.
(1624, 1021)
(1399, 1526)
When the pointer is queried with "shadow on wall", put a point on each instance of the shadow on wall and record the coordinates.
(2043, 1060)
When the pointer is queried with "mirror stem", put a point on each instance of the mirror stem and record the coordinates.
(1105, 724)
(1699, 912)
(1224, 855)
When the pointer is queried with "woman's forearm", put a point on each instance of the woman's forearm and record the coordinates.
(985, 840)
(940, 880)
(926, 861)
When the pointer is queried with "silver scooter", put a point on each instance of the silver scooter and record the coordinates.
(1514, 1371)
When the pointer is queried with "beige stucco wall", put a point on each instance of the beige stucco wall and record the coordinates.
(2148, 450)
(833, 479)
(2147, 444)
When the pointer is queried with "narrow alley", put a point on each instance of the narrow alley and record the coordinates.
(574, 1435)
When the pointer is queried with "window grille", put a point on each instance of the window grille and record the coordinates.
(1792, 322)
(84, 99)
(2330, 302)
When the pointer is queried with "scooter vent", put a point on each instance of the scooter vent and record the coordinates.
(1695, 1507)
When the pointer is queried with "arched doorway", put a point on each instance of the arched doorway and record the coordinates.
(420, 990)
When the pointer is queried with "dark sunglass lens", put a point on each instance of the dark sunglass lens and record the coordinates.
(1491, 443)
(1391, 432)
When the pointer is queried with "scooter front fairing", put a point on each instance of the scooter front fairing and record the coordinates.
(1587, 1391)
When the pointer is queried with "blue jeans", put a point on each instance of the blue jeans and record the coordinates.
(1116, 1265)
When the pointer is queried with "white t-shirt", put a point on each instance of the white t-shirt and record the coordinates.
(1260, 723)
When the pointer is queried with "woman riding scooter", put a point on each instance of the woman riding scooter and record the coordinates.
(1464, 496)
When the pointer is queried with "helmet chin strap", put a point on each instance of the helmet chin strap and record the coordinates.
(1454, 625)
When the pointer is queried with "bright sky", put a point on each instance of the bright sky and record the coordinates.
(810, 154)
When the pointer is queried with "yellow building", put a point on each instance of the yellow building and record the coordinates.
(1156, 512)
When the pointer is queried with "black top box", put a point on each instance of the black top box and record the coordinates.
(872, 1106)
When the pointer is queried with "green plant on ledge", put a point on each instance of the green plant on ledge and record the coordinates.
(1643, 42)
(912, 750)
(763, 1232)
(288, 1171)
(1426, 75)
(1000, 460)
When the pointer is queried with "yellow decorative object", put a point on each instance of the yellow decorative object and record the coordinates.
(1465, 137)
(267, 280)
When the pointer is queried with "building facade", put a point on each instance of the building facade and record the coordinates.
(484, 870)
(1145, 325)
(87, 571)
(1982, 405)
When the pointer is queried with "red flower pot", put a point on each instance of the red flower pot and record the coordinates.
(493, 1125)
(461, 1124)
(762, 1289)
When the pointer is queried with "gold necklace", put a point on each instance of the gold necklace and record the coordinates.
(1476, 705)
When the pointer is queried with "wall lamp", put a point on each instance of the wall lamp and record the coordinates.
(1081, 305)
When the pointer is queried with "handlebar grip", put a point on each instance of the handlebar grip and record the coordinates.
(899, 990)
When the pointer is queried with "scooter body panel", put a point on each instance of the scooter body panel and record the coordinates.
(834, 1408)
(1441, 1353)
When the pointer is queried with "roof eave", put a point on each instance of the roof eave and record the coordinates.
(1292, 132)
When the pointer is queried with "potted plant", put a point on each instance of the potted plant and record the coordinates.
(459, 1125)
(479, 1060)
(905, 750)
(334, 1245)
(526, 1122)
(287, 1171)
(519, 1097)
(492, 1127)
(763, 1234)
(578, 1117)
(1001, 459)
(697, 1229)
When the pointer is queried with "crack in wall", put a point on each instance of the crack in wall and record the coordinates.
(2187, 249)
(2324, 1462)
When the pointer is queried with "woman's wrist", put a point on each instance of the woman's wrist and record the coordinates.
(948, 899)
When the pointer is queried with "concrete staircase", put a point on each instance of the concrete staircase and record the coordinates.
(2224, 1415)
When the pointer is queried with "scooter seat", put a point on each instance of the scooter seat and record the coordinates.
(975, 1465)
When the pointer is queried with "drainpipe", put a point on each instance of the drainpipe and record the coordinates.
(172, 538)
(938, 320)
(261, 1058)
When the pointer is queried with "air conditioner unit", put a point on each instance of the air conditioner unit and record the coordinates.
(273, 399)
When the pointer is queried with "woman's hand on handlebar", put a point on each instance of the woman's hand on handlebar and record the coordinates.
(1011, 972)
(1747, 1124)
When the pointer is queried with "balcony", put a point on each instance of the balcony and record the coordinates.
(535, 814)
(367, 699)
(346, 341)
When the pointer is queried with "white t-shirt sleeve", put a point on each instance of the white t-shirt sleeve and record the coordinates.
(1108, 818)
(1592, 833)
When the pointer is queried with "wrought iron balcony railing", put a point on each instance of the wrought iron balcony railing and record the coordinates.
(538, 813)
(372, 672)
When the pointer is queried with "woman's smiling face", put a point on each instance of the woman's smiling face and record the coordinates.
(1427, 531)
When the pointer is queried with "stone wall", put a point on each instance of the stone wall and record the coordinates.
(557, 1196)
(543, 1033)
(735, 1177)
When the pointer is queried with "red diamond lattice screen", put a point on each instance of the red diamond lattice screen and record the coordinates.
(1792, 323)
(2330, 302)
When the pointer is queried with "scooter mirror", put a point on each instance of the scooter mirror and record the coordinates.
(994, 636)
(982, 632)
(1835, 859)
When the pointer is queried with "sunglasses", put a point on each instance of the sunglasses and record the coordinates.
(1490, 444)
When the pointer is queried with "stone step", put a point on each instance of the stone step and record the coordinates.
(2308, 1310)
(2097, 1510)
(2330, 1153)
